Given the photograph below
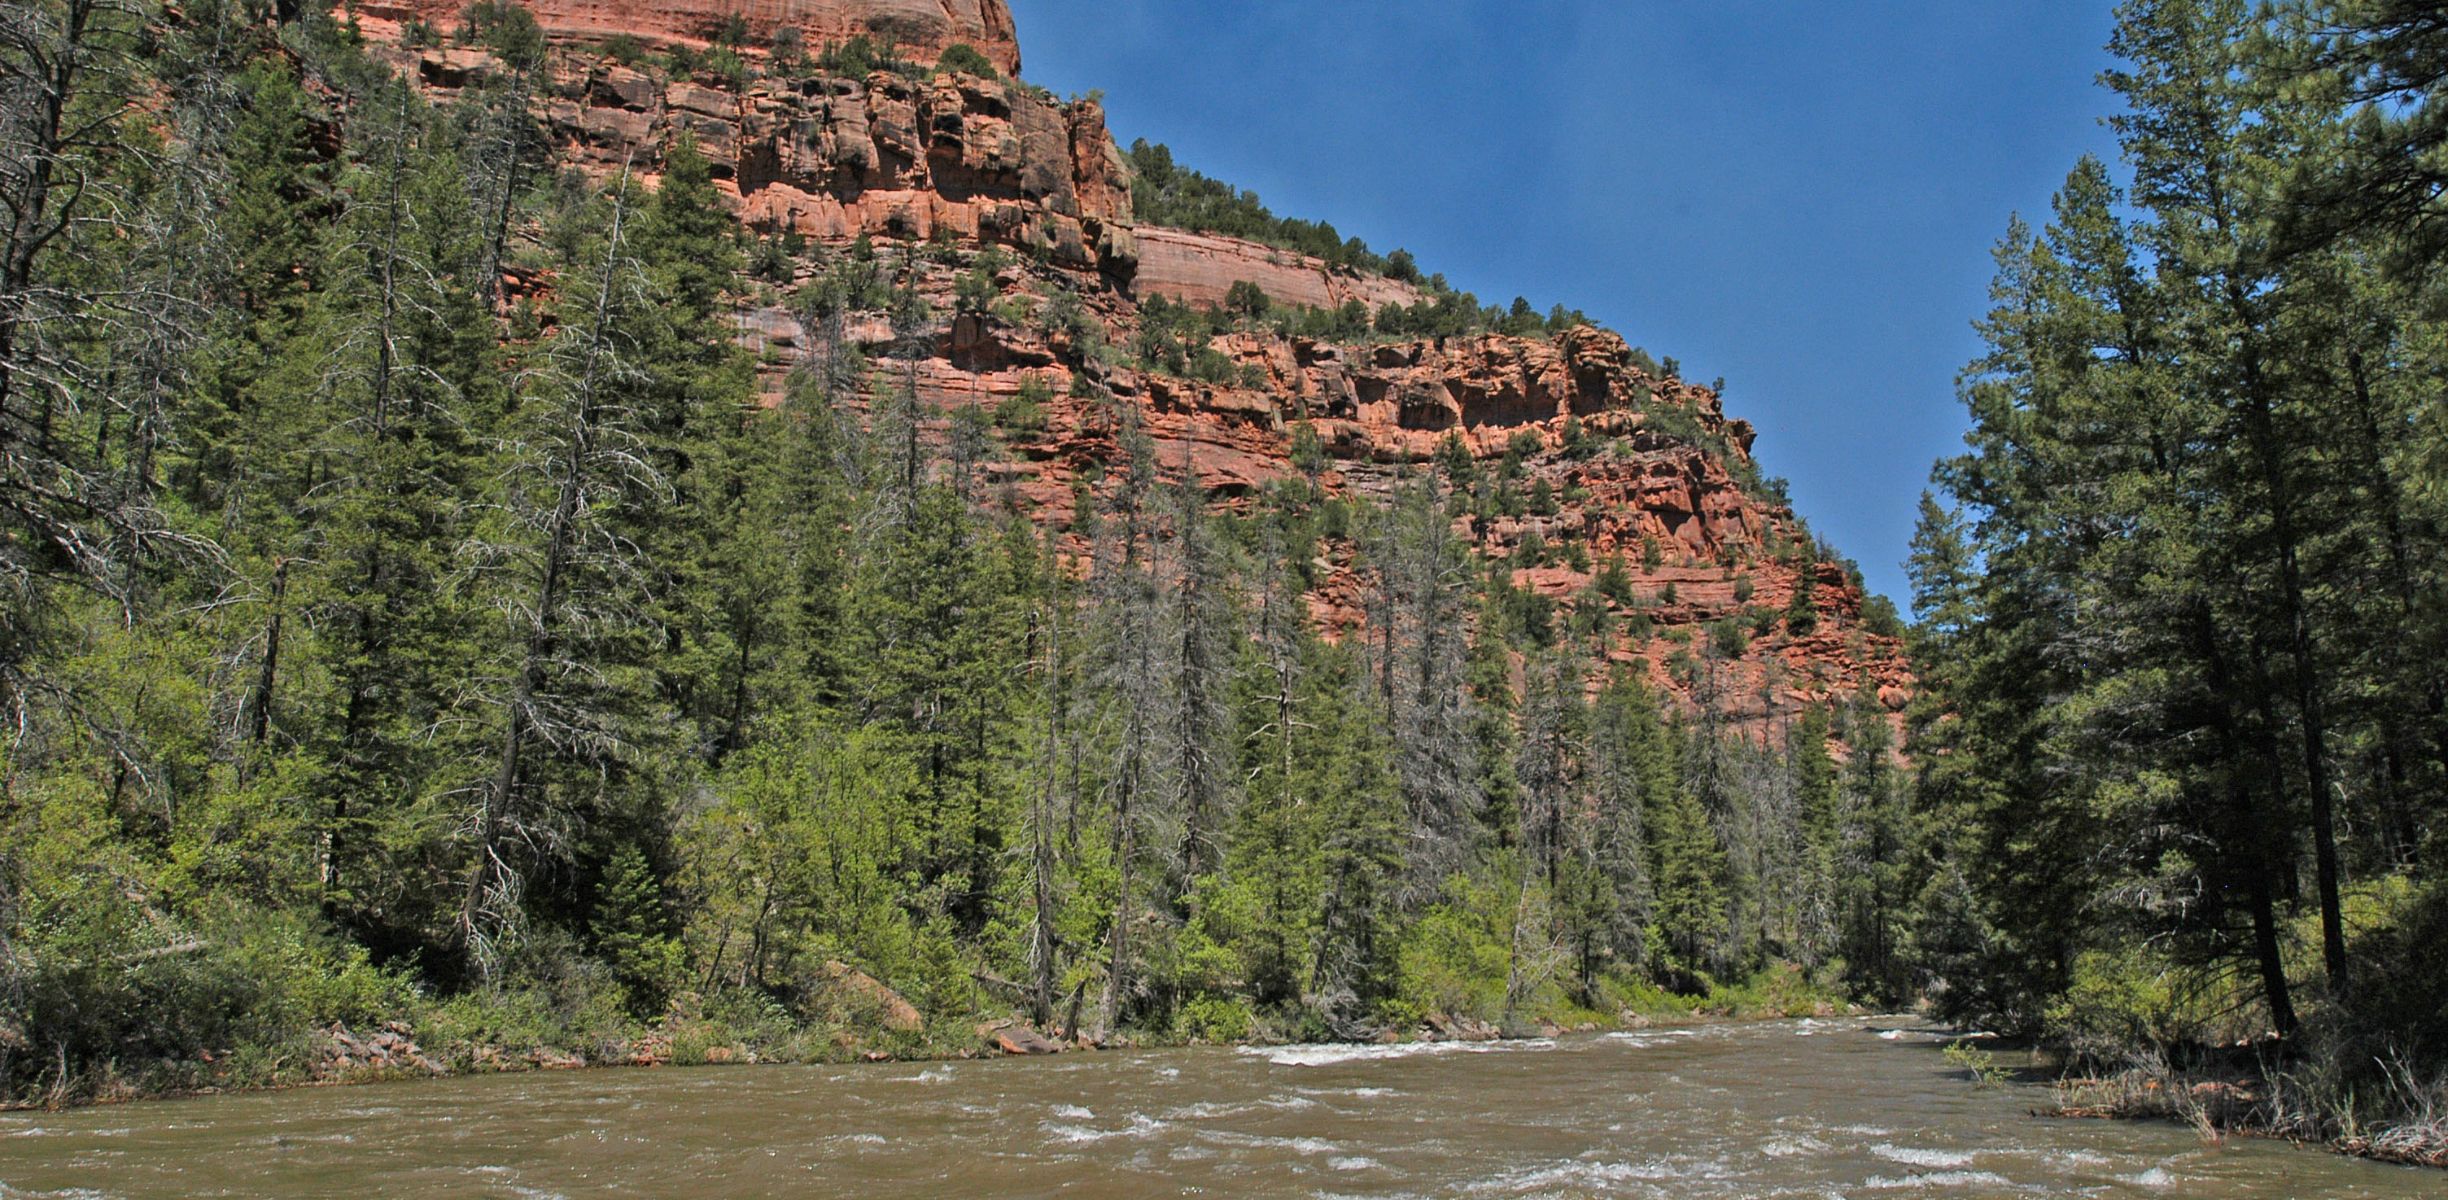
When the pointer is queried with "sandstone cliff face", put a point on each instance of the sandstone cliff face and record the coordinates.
(832, 157)
(921, 29)
(960, 164)
(1199, 268)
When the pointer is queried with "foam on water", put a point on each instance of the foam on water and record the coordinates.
(1140, 1126)
(1591, 1173)
(1260, 1141)
(1207, 1110)
(1918, 1157)
(1986, 1179)
(1331, 1053)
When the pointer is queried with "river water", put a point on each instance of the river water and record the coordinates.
(1833, 1108)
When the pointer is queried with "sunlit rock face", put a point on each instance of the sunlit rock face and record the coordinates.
(920, 29)
(973, 169)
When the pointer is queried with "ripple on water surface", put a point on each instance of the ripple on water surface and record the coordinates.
(1718, 1111)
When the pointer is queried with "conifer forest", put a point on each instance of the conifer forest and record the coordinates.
(432, 598)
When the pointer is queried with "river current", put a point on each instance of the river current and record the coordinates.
(1816, 1108)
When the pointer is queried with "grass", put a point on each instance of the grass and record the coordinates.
(2393, 1113)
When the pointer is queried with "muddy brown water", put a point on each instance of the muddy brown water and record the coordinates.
(1834, 1108)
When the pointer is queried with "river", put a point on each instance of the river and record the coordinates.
(1833, 1108)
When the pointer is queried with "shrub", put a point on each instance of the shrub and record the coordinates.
(1247, 298)
(1212, 1019)
(724, 65)
(1614, 582)
(975, 291)
(964, 59)
(2118, 1003)
(1210, 365)
(786, 46)
(1979, 1062)
(1454, 961)
(1024, 412)
(858, 57)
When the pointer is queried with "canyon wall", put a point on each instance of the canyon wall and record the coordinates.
(961, 165)
(918, 29)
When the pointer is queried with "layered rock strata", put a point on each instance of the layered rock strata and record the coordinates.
(945, 171)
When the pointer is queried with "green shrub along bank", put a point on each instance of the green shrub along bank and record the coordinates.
(378, 649)
(2182, 598)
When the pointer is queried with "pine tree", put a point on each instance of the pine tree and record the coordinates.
(570, 580)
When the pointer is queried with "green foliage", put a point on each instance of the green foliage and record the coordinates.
(633, 932)
(1247, 298)
(1213, 1019)
(861, 56)
(2169, 596)
(2116, 1004)
(509, 30)
(1978, 1062)
(1454, 958)
(1163, 193)
(382, 648)
(1024, 412)
(963, 58)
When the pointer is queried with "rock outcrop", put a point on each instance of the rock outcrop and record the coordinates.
(957, 174)
(864, 991)
(918, 29)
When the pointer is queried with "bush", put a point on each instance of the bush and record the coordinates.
(1247, 298)
(2118, 1004)
(723, 65)
(1212, 1019)
(1454, 960)
(859, 57)
(1024, 412)
(964, 59)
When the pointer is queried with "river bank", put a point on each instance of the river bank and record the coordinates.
(511, 1033)
(2406, 1125)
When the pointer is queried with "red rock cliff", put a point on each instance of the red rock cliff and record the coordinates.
(963, 165)
(920, 29)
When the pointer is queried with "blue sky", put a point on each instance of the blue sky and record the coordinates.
(1800, 197)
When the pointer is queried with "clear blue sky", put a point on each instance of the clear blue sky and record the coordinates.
(1800, 197)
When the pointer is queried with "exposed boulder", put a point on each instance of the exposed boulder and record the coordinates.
(865, 991)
